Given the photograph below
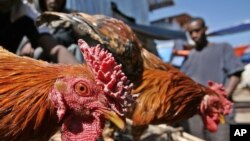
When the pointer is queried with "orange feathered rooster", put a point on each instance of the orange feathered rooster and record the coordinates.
(166, 95)
(36, 98)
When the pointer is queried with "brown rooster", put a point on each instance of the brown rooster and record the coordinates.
(166, 95)
(36, 97)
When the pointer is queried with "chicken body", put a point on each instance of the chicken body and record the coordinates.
(166, 95)
(36, 97)
(170, 97)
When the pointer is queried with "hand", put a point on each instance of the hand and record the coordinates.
(27, 50)
(230, 97)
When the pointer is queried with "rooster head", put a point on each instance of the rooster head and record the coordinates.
(215, 106)
(83, 102)
(113, 35)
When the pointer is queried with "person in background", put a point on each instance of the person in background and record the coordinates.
(211, 61)
(62, 32)
(53, 5)
(16, 21)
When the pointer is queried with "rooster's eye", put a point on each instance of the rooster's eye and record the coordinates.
(81, 89)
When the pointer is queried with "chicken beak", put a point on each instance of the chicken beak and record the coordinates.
(222, 119)
(116, 119)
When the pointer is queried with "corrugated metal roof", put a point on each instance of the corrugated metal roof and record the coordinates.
(90, 6)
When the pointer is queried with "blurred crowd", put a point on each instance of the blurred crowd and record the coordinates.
(20, 35)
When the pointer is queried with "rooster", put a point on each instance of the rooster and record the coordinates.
(37, 98)
(166, 95)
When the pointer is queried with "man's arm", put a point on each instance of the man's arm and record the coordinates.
(233, 67)
(232, 83)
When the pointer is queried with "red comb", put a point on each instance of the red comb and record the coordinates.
(108, 74)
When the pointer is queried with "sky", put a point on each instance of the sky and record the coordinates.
(218, 14)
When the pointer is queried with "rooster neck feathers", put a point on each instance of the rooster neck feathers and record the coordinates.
(24, 87)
